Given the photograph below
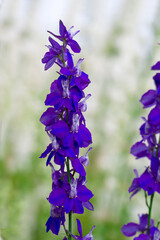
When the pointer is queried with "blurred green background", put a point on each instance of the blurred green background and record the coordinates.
(119, 40)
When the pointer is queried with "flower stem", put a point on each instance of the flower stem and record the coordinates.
(149, 213)
(70, 224)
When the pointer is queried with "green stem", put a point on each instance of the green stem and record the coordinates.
(70, 224)
(68, 170)
(149, 213)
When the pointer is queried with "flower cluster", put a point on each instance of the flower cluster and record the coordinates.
(66, 127)
(149, 180)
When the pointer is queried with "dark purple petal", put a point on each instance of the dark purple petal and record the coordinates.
(53, 224)
(59, 159)
(143, 222)
(148, 99)
(74, 46)
(146, 182)
(154, 166)
(68, 205)
(70, 60)
(65, 71)
(59, 129)
(53, 99)
(154, 116)
(78, 138)
(156, 66)
(57, 197)
(85, 134)
(50, 157)
(130, 229)
(79, 227)
(49, 117)
(68, 140)
(135, 187)
(54, 43)
(139, 150)
(45, 153)
(157, 80)
(88, 205)
(77, 207)
(84, 194)
(84, 80)
(69, 152)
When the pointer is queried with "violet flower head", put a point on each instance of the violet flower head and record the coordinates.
(67, 132)
(148, 147)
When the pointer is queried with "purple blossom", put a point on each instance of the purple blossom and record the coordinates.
(67, 37)
(149, 180)
(66, 127)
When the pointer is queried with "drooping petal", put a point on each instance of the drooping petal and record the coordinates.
(53, 224)
(50, 157)
(78, 167)
(79, 227)
(48, 150)
(130, 229)
(88, 205)
(142, 236)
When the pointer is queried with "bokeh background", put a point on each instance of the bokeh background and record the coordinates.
(119, 41)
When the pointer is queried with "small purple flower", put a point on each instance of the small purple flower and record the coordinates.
(56, 219)
(67, 37)
(132, 228)
(54, 53)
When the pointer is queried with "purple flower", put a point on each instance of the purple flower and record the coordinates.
(71, 197)
(54, 53)
(67, 37)
(139, 150)
(132, 228)
(89, 236)
(55, 220)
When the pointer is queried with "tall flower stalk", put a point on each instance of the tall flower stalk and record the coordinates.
(149, 180)
(66, 127)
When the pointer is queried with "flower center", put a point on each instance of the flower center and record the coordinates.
(65, 86)
(73, 192)
(75, 122)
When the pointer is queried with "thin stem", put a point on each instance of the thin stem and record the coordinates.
(68, 170)
(149, 213)
(146, 200)
(70, 225)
